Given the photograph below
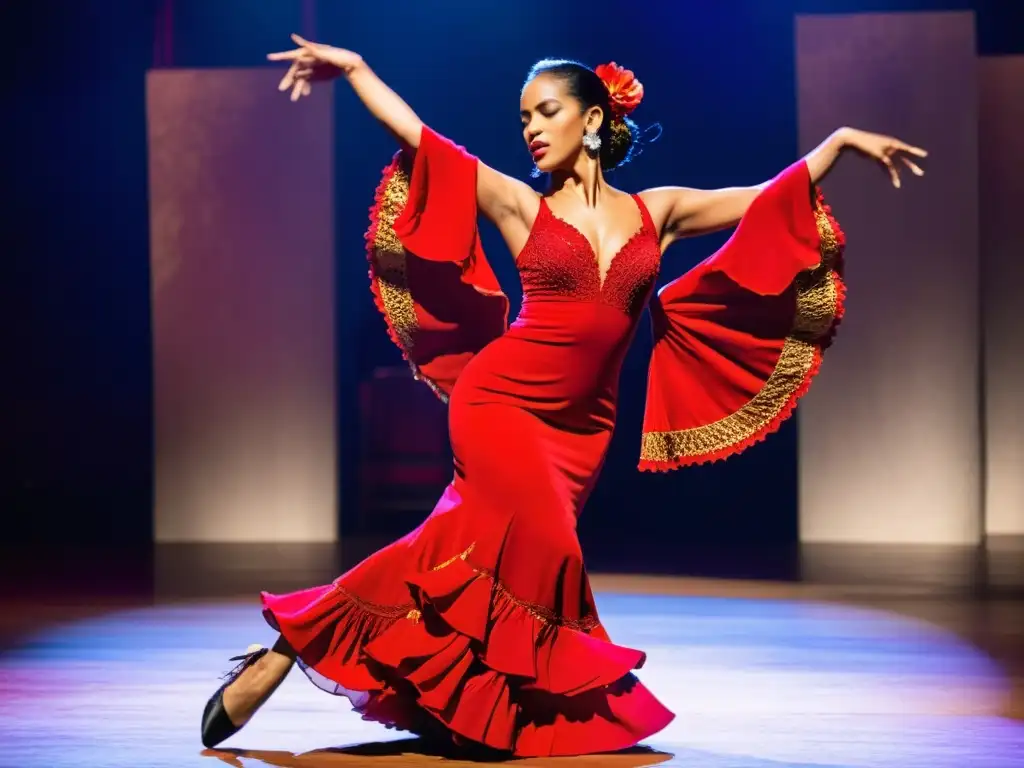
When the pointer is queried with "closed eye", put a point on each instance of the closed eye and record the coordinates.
(548, 108)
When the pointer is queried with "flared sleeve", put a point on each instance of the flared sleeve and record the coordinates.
(428, 272)
(738, 339)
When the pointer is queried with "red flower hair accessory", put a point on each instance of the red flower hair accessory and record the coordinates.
(625, 92)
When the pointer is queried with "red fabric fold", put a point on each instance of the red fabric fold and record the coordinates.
(570, 662)
(429, 275)
(439, 219)
(777, 237)
(458, 595)
(739, 337)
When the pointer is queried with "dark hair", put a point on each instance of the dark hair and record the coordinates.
(619, 138)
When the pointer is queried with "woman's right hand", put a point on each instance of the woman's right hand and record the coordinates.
(313, 62)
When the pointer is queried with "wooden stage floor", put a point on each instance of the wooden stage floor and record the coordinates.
(865, 658)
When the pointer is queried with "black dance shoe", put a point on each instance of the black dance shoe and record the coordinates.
(217, 726)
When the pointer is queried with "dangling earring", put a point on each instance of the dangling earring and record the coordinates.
(592, 142)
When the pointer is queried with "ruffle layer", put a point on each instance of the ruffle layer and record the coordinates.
(488, 667)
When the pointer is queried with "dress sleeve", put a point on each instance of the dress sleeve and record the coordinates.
(428, 272)
(739, 337)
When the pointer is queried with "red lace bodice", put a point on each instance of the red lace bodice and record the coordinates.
(558, 262)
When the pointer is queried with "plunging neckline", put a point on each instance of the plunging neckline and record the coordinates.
(602, 278)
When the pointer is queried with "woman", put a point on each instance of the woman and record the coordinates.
(480, 625)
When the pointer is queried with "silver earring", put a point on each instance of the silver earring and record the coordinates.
(592, 142)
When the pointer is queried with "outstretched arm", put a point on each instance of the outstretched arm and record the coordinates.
(684, 212)
(502, 199)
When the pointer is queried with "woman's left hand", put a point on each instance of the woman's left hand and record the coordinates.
(885, 149)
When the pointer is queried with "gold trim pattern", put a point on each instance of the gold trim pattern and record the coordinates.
(412, 613)
(377, 609)
(545, 615)
(461, 556)
(389, 259)
(794, 364)
(390, 273)
(817, 304)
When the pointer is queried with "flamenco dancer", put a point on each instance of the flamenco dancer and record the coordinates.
(479, 626)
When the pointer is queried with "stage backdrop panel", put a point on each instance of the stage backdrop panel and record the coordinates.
(242, 251)
(1001, 95)
(890, 435)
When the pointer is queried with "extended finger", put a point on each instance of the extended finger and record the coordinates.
(893, 173)
(289, 77)
(303, 42)
(285, 55)
(917, 171)
(904, 147)
(297, 90)
(307, 88)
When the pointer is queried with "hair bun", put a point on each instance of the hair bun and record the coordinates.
(625, 92)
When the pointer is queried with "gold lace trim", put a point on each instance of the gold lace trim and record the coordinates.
(389, 259)
(409, 610)
(391, 274)
(817, 301)
(543, 614)
(377, 609)
(791, 369)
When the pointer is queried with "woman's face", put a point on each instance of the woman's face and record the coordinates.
(553, 125)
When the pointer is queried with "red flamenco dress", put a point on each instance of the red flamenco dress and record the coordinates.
(480, 624)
